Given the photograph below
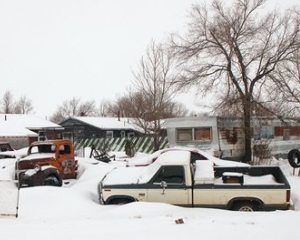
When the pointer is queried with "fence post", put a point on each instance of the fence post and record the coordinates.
(9, 198)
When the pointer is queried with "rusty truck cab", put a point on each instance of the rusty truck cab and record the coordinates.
(58, 153)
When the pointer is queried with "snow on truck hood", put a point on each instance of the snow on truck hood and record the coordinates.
(131, 175)
(124, 176)
(38, 156)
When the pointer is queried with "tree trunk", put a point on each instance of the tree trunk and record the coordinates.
(248, 130)
(155, 136)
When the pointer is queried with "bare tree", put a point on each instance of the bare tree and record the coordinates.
(103, 109)
(234, 50)
(8, 105)
(87, 108)
(153, 94)
(287, 78)
(121, 107)
(74, 107)
(134, 105)
(23, 106)
(154, 80)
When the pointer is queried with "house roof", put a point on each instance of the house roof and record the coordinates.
(31, 122)
(8, 129)
(108, 123)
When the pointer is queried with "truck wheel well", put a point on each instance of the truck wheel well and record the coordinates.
(121, 199)
(247, 203)
(52, 180)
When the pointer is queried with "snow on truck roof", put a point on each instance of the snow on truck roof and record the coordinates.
(140, 175)
(180, 157)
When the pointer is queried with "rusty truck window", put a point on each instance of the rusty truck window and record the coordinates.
(49, 148)
(64, 149)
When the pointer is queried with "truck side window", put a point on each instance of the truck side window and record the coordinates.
(197, 156)
(44, 148)
(171, 175)
(64, 149)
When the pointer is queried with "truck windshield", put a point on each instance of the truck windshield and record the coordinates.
(149, 172)
(44, 148)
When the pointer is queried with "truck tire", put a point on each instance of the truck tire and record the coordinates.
(294, 158)
(245, 206)
(52, 181)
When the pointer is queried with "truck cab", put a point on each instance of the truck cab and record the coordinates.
(47, 163)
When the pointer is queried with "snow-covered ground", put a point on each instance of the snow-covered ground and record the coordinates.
(73, 212)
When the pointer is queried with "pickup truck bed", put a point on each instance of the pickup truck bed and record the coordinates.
(226, 185)
(205, 173)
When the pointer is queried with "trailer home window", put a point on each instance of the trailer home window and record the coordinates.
(286, 134)
(202, 134)
(263, 132)
(194, 134)
(184, 135)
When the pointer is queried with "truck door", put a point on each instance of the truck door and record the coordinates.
(66, 161)
(169, 186)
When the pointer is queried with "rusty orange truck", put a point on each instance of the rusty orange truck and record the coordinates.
(47, 163)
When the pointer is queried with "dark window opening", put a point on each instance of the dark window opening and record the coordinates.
(171, 175)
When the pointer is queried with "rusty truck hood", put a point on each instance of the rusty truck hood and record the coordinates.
(30, 161)
(38, 156)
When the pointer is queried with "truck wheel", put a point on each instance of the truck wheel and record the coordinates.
(120, 201)
(51, 181)
(294, 158)
(245, 207)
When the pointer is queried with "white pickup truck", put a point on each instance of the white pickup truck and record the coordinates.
(174, 179)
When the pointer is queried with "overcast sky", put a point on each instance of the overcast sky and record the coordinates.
(54, 50)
